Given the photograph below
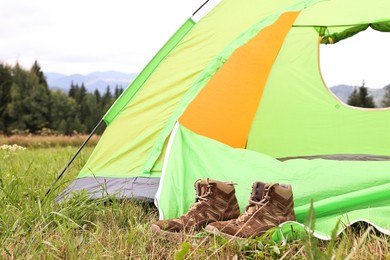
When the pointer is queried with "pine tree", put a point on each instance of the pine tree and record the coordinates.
(361, 98)
(77, 92)
(63, 111)
(118, 91)
(106, 100)
(28, 109)
(91, 112)
(40, 99)
(36, 99)
(353, 99)
(82, 93)
(365, 100)
(36, 70)
(5, 95)
(97, 96)
(386, 98)
(73, 90)
(15, 111)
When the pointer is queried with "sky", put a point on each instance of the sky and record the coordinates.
(94, 35)
(88, 35)
(365, 56)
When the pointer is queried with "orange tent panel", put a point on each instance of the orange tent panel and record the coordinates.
(238, 86)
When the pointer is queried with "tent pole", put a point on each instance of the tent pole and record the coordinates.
(75, 155)
(200, 7)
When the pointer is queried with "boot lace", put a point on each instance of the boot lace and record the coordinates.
(255, 206)
(199, 198)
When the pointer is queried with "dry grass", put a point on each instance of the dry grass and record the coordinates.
(45, 141)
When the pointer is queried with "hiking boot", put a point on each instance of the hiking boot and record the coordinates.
(269, 206)
(215, 201)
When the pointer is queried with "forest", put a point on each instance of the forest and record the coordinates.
(360, 98)
(29, 106)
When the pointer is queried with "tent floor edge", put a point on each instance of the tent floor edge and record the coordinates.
(137, 188)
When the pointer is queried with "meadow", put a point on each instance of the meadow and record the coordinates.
(33, 226)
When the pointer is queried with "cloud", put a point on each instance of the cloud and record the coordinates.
(88, 34)
(84, 36)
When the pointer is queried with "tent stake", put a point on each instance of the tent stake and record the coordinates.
(75, 155)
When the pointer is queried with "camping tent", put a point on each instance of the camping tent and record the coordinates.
(235, 92)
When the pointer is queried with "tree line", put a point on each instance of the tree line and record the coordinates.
(360, 98)
(28, 105)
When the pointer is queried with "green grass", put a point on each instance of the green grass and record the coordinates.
(32, 226)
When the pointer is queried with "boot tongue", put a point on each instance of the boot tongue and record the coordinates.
(256, 196)
(201, 187)
(257, 191)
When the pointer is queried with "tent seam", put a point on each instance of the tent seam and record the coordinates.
(131, 95)
(210, 71)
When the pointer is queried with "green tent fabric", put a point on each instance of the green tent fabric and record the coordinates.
(349, 32)
(146, 117)
(348, 191)
(243, 85)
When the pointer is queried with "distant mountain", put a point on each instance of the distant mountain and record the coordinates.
(92, 81)
(100, 81)
(344, 91)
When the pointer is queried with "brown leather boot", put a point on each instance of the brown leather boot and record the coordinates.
(215, 201)
(269, 206)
